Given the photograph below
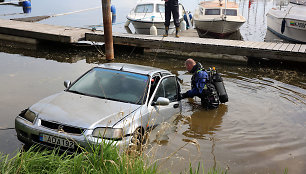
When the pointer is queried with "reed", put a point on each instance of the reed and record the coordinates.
(101, 158)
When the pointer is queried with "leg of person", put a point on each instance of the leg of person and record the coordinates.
(167, 17)
(175, 12)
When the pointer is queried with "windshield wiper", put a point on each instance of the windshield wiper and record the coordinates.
(76, 92)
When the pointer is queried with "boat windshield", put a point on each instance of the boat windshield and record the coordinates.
(144, 8)
(160, 8)
(212, 11)
(112, 85)
(299, 2)
(229, 12)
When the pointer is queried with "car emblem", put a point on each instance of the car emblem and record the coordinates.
(60, 128)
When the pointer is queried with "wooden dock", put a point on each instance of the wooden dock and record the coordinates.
(270, 50)
(21, 31)
(27, 31)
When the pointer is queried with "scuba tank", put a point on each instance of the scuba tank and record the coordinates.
(217, 81)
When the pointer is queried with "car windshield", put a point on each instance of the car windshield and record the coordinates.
(112, 84)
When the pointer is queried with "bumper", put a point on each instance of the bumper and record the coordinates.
(29, 134)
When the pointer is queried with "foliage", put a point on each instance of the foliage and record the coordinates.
(102, 158)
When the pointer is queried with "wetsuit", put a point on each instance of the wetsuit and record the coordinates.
(201, 87)
(172, 6)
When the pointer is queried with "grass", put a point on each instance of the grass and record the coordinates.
(210, 171)
(102, 158)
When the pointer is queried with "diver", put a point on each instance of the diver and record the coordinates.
(203, 85)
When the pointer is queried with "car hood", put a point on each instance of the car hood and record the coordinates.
(82, 111)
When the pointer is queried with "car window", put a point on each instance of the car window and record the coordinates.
(168, 89)
(112, 84)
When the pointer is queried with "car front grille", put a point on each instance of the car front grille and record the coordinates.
(61, 127)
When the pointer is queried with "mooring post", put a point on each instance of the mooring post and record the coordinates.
(108, 35)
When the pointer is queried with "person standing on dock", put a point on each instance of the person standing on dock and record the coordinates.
(172, 6)
(200, 85)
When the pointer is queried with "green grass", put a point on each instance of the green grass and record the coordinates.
(102, 158)
(210, 171)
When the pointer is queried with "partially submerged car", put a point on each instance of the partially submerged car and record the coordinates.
(113, 101)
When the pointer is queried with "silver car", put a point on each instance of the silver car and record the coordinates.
(113, 101)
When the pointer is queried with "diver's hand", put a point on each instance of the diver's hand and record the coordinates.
(184, 95)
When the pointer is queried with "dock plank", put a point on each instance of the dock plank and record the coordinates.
(265, 45)
(277, 46)
(271, 46)
(234, 43)
(296, 48)
(254, 46)
(284, 47)
(246, 44)
(290, 47)
(302, 48)
(259, 45)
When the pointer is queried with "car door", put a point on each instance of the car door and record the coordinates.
(167, 87)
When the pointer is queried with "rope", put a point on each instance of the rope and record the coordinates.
(39, 18)
(61, 14)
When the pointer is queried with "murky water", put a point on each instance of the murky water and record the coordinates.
(254, 11)
(260, 130)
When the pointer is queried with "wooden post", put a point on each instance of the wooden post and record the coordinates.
(108, 35)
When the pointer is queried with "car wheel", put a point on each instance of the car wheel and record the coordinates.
(139, 138)
(25, 147)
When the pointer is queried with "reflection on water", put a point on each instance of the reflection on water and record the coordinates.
(204, 122)
(260, 130)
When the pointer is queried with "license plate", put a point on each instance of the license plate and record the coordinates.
(56, 140)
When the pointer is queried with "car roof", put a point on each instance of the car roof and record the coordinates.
(139, 69)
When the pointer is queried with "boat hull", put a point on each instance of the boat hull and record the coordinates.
(220, 28)
(294, 30)
(142, 27)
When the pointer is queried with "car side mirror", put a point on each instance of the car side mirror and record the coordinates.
(162, 101)
(67, 83)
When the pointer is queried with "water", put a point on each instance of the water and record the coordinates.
(260, 130)
(254, 11)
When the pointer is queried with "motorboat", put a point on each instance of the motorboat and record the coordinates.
(148, 13)
(219, 18)
(289, 23)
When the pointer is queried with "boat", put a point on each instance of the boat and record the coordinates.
(220, 18)
(289, 23)
(148, 13)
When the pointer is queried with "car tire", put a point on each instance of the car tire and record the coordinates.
(139, 138)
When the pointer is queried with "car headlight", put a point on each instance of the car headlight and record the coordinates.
(108, 133)
(30, 116)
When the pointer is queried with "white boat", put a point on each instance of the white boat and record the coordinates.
(220, 18)
(289, 23)
(148, 13)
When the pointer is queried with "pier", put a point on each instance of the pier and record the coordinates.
(34, 32)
